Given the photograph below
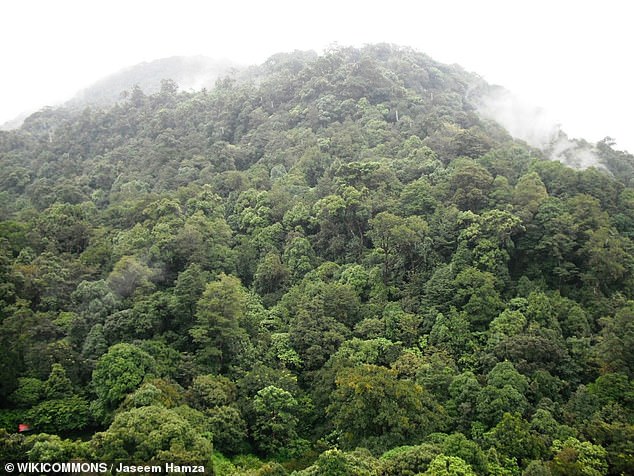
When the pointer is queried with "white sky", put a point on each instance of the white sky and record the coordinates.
(572, 58)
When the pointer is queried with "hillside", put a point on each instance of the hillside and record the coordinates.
(327, 264)
(189, 72)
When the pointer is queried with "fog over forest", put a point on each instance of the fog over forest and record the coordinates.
(363, 261)
(571, 61)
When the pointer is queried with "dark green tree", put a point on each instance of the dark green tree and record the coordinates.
(217, 332)
(118, 372)
(372, 406)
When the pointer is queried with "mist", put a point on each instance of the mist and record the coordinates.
(188, 72)
(537, 127)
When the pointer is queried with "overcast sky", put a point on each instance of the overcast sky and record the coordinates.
(572, 58)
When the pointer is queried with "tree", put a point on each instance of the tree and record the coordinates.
(452, 333)
(615, 348)
(508, 323)
(608, 258)
(51, 448)
(229, 430)
(130, 276)
(217, 332)
(443, 465)
(337, 463)
(342, 219)
(528, 195)
(401, 326)
(271, 276)
(66, 414)
(408, 460)
(117, 373)
(154, 391)
(208, 391)
(464, 391)
(66, 226)
(544, 425)
(58, 384)
(513, 438)
(316, 338)
(469, 184)
(477, 296)
(45, 280)
(489, 240)
(394, 265)
(201, 240)
(575, 457)
(434, 370)
(188, 290)
(299, 257)
(275, 419)
(370, 405)
(56, 407)
(504, 393)
(398, 239)
(29, 391)
(154, 434)
(550, 241)
(469, 451)
(320, 315)
(417, 198)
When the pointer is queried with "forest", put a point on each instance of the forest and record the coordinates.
(326, 265)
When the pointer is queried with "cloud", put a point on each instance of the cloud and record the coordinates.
(523, 121)
(537, 128)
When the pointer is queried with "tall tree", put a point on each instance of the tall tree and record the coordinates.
(217, 333)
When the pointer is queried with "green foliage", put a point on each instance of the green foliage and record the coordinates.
(460, 446)
(58, 384)
(51, 448)
(337, 463)
(372, 406)
(29, 392)
(60, 409)
(397, 239)
(217, 332)
(407, 460)
(153, 434)
(615, 349)
(477, 296)
(11, 446)
(118, 372)
(443, 465)
(528, 195)
(153, 392)
(60, 415)
(129, 276)
(208, 391)
(469, 184)
(513, 438)
(275, 419)
(574, 456)
(229, 429)
(10, 419)
(504, 393)
(316, 336)
(320, 252)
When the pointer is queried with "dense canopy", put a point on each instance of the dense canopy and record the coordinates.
(324, 265)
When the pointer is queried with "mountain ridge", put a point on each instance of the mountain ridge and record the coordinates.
(189, 72)
(525, 122)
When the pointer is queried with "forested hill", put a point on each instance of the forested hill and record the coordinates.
(325, 265)
(189, 72)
